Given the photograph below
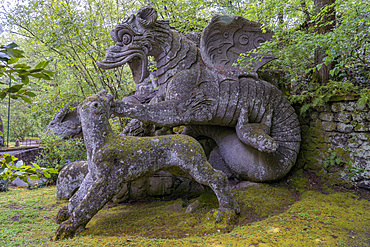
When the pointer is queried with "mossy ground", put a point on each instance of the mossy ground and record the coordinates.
(298, 211)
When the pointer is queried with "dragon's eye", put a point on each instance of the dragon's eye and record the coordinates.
(126, 39)
(95, 105)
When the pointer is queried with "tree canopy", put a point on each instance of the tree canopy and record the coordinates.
(311, 37)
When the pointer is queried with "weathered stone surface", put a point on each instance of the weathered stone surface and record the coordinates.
(328, 126)
(351, 106)
(362, 127)
(114, 160)
(359, 116)
(343, 117)
(70, 179)
(338, 107)
(192, 207)
(342, 127)
(65, 123)
(348, 143)
(160, 185)
(360, 107)
(200, 86)
(326, 116)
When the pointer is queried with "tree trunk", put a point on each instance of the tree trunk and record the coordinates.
(325, 24)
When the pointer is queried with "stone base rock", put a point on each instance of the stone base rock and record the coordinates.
(160, 185)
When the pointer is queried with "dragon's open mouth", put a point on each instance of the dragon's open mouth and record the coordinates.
(136, 59)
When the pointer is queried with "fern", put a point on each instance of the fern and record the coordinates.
(321, 94)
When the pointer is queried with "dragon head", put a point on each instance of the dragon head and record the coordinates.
(134, 42)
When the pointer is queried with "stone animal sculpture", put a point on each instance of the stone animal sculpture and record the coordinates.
(65, 124)
(254, 125)
(115, 160)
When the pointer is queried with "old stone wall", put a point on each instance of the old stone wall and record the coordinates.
(335, 142)
(28, 155)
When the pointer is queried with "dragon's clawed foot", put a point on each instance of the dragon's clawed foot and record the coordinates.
(225, 216)
(65, 230)
(62, 215)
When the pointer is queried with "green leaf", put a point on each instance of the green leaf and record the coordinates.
(30, 94)
(26, 99)
(11, 46)
(36, 70)
(2, 95)
(15, 88)
(36, 166)
(4, 56)
(47, 175)
(19, 164)
(21, 65)
(24, 79)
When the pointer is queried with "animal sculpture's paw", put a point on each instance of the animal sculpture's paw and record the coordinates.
(225, 216)
(266, 143)
(62, 215)
(65, 230)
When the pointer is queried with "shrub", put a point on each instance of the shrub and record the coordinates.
(57, 153)
(9, 170)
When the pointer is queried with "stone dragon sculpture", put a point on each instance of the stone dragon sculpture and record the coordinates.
(114, 160)
(253, 124)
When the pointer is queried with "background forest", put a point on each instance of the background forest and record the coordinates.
(322, 45)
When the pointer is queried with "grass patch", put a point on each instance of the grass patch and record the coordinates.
(271, 215)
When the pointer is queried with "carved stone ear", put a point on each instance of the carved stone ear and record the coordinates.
(102, 93)
(147, 16)
(110, 97)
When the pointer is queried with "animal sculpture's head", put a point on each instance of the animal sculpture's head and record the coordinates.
(136, 38)
(95, 109)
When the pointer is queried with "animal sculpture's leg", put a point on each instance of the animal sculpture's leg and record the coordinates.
(100, 192)
(81, 192)
(256, 134)
(203, 173)
(65, 212)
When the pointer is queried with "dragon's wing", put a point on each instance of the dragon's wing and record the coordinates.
(226, 37)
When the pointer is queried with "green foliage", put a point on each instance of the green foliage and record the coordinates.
(57, 153)
(320, 94)
(19, 72)
(186, 15)
(364, 96)
(296, 41)
(334, 160)
(9, 170)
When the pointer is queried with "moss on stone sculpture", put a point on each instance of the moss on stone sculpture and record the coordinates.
(115, 160)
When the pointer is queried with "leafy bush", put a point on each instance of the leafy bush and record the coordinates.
(9, 170)
(321, 94)
(57, 153)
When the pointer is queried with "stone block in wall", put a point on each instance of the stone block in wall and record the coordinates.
(338, 140)
(343, 117)
(338, 107)
(360, 107)
(359, 116)
(346, 128)
(314, 115)
(326, 116)
(328, 126)
(367, 116)
(362, 127)
(351, 106)
(360, 136)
